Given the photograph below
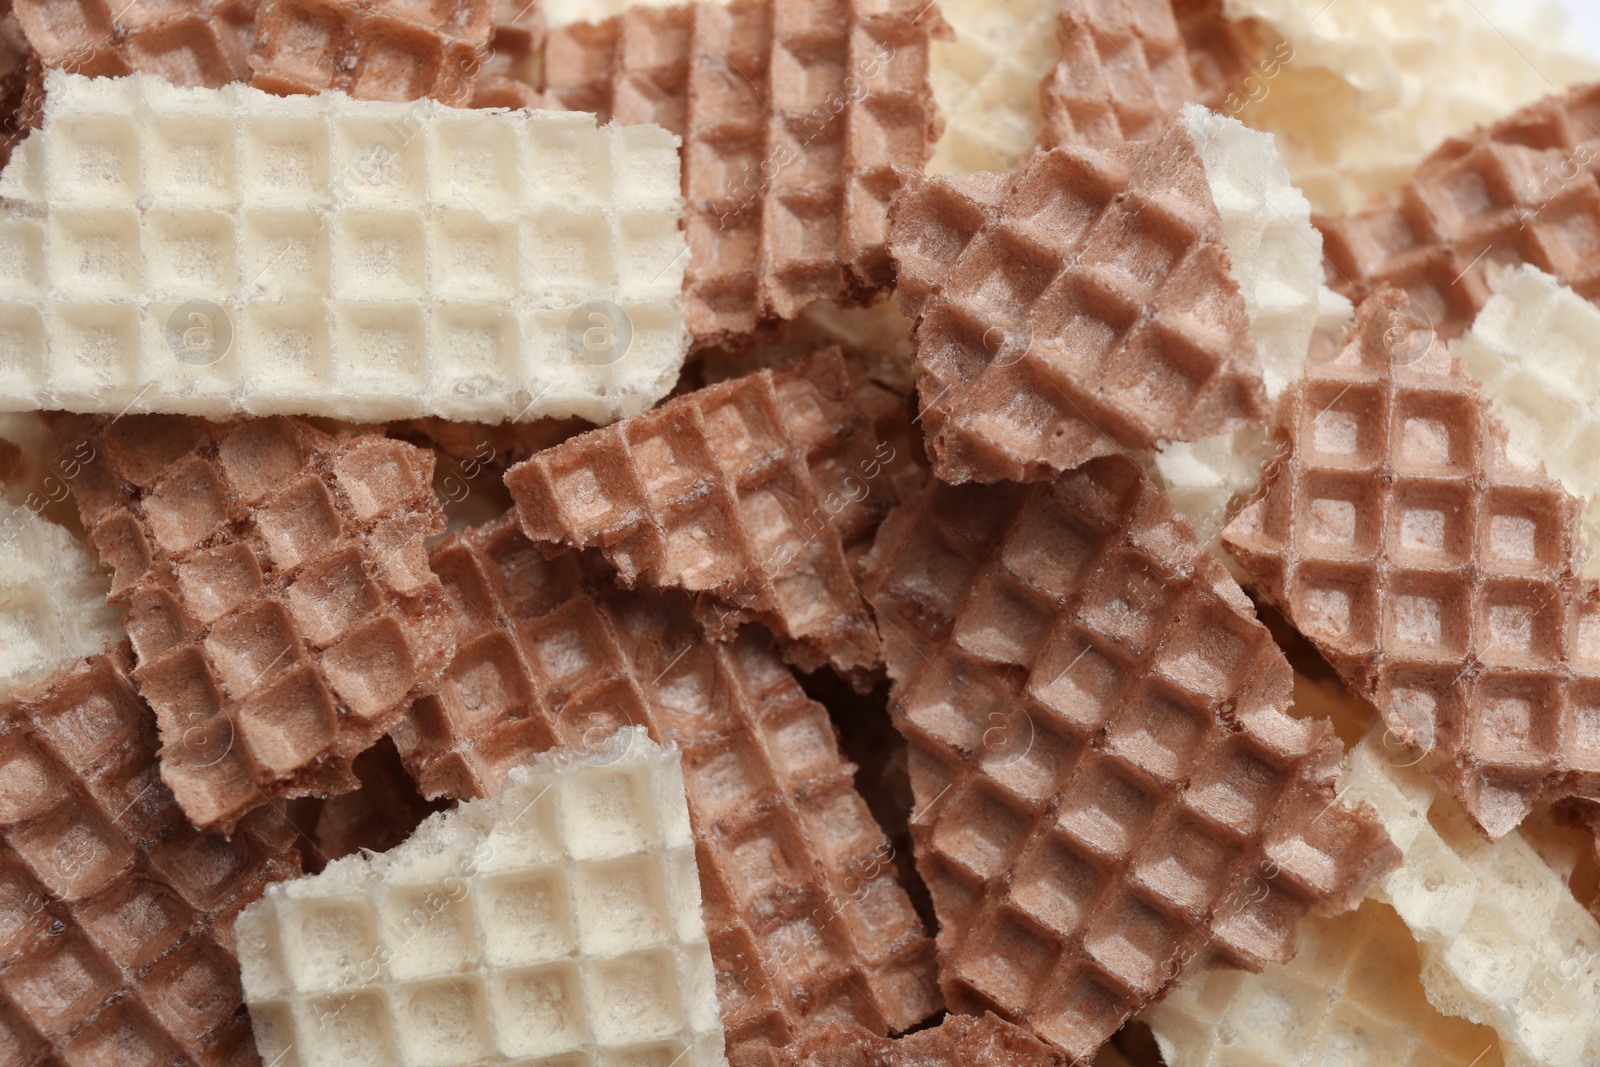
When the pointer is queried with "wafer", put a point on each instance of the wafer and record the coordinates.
(278, 591)
(511, 72)
(876, 338)
(1437, 575)
(1076, 309)
(794, 117)
(958, 1041)
(118, 942)
(222, 251)
(378, 815)
(1350, 998)
(1505, 941)
(371, 49)
(1109, 795)
(21, 83)
(561, 917)
(807, 920)
(754, 492)
(201, 42)
(1357, 96)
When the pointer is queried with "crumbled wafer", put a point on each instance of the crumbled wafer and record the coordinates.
(1109, 795)
(1360, 92)
(1079, 308)
(1504, 940)
(1521, 191)
(393, 50)
(198, 42)
(1351, 998)
(806, 916)
(1535, 351)
(279, 597)
(560, 919)
(1436, 574)
(118, 936)
(511, 72)
(225, 251)
(794, 117)
(754, 492)
(958, 1041)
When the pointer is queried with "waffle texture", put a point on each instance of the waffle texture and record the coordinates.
(1108, 793)
(958, 1041)
(807, 920)
(118, 944)
(1506, 943)
(1078, 308)
(1352, 997)
(53, 608)
(199, 42)
(393, 50)
(1436, 575)
(1361, 92)
(511, 72)
(225, 251)
(1521, 191)
(560, 917)
(278, 591)
(1535, 350)
(1275, 257)
(755, 492)
(21, 83)
(794, 116)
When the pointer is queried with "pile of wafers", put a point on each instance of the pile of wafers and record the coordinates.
(799, 533)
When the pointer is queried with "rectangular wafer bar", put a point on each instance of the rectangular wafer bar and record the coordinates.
(1109, 794)
(224, 251)
(755, 492)
(118, 943)
(807, 919)
(279, 597)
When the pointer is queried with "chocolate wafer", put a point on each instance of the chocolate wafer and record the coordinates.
(371, 49)
(1437, 576)
(754, 492)
(1109, 795)
(1078, 308)
(807, 920)
(793, 117)
(278, 591)
(21, 83)
(118, 944)
(511, 72)
(958, 1041)
(202, 42)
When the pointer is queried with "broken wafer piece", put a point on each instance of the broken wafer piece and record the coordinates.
(118, 939)
(512, 70)
(371, 49)
(1435, 573)
(1352, 996)
(1521, 191)
(754, 492)
(278, 591)
(560, 918)
(200, 42)
(958, 1041)
(1359, 94)
(1109, 794)
(224, 251)
(21, 83)
(794, 118)
(1077, 309)
(807, 919)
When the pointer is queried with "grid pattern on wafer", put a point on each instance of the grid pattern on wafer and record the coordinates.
(279, 597)
(1521, 191)
(1438, 576)
(394, 50)
(806, 918)
(1351, 996)
(201, 42)
(755, 491)
(1076, 308)
(1108, 792)
(226, 251)
(511, 73)
(957, 1041)
(118, 944)
(1506, 941)
(558, 922)
(794, 117)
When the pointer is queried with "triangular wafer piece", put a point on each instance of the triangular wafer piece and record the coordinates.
(1437, 576)
(755, 492)
(1081, 307)
(1109, 794)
